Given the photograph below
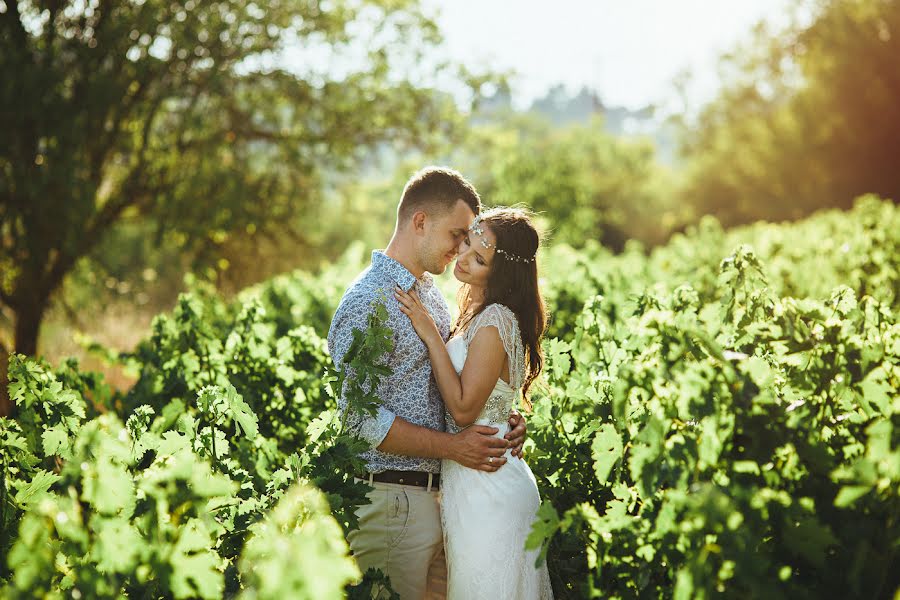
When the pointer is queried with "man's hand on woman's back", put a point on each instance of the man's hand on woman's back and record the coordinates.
(477, 448)
(517, 433)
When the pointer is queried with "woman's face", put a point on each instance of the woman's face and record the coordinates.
(473, 262)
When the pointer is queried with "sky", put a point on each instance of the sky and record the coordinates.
(629, 51)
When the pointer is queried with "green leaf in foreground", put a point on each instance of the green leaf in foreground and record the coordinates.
(606, 450)
(299, 528)
(39, 485)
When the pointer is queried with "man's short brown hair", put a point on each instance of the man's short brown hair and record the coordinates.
(436, 190)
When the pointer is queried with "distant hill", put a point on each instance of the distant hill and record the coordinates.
(562, 108)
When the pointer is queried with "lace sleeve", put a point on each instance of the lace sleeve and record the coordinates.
(501, 317)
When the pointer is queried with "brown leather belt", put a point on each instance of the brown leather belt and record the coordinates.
(417, 478)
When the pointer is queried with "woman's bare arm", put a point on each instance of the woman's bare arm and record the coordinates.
(464, 394)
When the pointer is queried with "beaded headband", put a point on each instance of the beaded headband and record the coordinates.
(476, 227)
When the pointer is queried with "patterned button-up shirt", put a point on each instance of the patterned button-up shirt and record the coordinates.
(411, 391)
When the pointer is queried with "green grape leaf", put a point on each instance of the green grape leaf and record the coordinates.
(710, 446)
(684, 585)
(850, 494)
(37, 487)
(810, 539)
(109, 488)
(606, 451)
(558, 358)
(760, 372)
(56, 441)
(877, 391)
(194, 565)
(542, 530)
(117, 545)
(241, 412)
(318, 425)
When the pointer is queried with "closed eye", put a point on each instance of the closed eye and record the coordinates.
(478, 258)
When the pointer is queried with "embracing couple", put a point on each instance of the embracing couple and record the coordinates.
(445, 460)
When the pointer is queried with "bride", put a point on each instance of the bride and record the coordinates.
(493, 355)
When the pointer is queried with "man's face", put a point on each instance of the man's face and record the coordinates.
(443, 236)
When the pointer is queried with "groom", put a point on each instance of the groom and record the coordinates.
(400, 531)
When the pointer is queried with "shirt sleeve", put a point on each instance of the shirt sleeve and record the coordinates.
(353, 313)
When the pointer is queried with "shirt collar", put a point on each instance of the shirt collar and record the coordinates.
(396, 271)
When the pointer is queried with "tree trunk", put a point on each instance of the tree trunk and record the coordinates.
(5, 404)
(28, 326)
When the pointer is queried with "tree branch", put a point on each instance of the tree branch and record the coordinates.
(156, 70)
(121, 111)
(18, 30)
(131, 192)
(21, 55)
(180, 143)
(71, 314)
(50, 31)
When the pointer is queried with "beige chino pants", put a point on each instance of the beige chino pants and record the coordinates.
(400, 533)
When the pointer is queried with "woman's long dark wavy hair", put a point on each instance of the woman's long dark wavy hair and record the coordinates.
(512, 283)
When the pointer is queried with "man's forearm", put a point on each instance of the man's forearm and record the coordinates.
(407, 439)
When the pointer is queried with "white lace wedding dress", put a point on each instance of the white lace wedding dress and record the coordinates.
(487, 516)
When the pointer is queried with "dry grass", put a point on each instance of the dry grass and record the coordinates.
(118, 327)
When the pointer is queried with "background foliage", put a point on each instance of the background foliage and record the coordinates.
(724, 422)
(808, 120)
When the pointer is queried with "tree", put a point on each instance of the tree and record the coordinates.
(809, 118)
(587, 183)
(179, 112)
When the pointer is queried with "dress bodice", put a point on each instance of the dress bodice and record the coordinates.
(504, 395)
